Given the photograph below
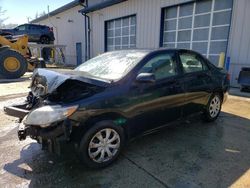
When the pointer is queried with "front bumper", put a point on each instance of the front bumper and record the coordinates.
(50, 138)
(18, 110)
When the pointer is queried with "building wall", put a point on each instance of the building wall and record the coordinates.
(239, 43)
(68, 30)
(148, 15)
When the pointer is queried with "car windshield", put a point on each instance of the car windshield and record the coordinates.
(112, 65)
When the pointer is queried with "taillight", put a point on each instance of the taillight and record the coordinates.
(228, 76)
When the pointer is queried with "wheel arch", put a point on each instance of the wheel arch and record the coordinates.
(44, 35)
(220, 92)
(115, 117)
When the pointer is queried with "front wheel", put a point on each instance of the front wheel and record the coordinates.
(213, 108)
(102, 144)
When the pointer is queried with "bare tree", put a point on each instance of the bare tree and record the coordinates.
(2, 19)
(2, 12)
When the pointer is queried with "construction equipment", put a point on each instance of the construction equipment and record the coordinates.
(15, 57)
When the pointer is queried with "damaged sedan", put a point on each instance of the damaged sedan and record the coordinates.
(109, 99)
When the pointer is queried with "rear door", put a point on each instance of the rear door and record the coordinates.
(34, 32)
(157, 103)
(197, 81)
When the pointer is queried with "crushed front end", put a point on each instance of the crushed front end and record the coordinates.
(45, 114)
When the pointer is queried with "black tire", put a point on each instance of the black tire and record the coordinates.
(89, 136)
(213, 108)
(5, 73)
(44, 40)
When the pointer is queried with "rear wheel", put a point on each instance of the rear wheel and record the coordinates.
(102, 144)
(213, 108)
(12, 64)
(44, 40)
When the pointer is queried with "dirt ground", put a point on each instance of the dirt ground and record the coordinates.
(189, 154)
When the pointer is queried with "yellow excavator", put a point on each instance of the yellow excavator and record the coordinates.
(15, 57)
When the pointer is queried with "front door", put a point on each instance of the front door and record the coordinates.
(157, 103)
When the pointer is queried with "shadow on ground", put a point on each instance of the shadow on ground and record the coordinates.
(190, 154)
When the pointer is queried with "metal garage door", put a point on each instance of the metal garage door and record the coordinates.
(201, 25)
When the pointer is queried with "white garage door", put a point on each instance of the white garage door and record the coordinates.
(202, 26)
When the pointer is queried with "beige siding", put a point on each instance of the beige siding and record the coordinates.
(68, 33)
(239, 45)
(148, 14)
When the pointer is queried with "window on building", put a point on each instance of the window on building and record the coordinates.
(121, 33)
(201, 25)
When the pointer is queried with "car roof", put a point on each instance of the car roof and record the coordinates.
(34, 25)
(154, 50)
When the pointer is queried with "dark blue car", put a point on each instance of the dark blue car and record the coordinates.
(36, 33)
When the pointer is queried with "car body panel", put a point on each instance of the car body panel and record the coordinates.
(137, 106)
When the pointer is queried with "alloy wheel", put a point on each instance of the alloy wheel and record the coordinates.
(104, 145)
(214, 107)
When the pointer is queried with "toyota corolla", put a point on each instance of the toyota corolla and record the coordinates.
(109, 99)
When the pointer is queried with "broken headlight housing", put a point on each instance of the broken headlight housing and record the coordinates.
(46, 115)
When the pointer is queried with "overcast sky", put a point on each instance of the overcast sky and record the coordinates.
(17, 11)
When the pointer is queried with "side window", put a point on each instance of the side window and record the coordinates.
(191, 63)
(163, 66)
(21, 28)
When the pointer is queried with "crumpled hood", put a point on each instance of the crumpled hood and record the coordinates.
(47, 81)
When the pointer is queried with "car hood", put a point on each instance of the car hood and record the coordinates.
(46, 81)
(6, 30)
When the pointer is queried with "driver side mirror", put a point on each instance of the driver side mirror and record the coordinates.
(145, 78)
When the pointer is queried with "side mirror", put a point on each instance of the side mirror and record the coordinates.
(145, 78)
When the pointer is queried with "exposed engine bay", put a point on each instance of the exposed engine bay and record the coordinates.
(53, 94)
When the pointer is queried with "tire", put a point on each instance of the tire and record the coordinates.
(213, 108)
(17, 70)
(44, 40)
(100, 157)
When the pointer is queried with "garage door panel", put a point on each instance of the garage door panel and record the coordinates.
(171, 13)
(223, 4)
(170, 25)
(200, 25)
(185, 23)
(169, 45)
(222, 18)
(200, 47)
(186, 10)
(220, 33)
(202, 20)
(214, 58)
(203, 6)
(120, 33)
(183, 45)
(170, 37)
(218, 47)
(184, 36)
(200, 34)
